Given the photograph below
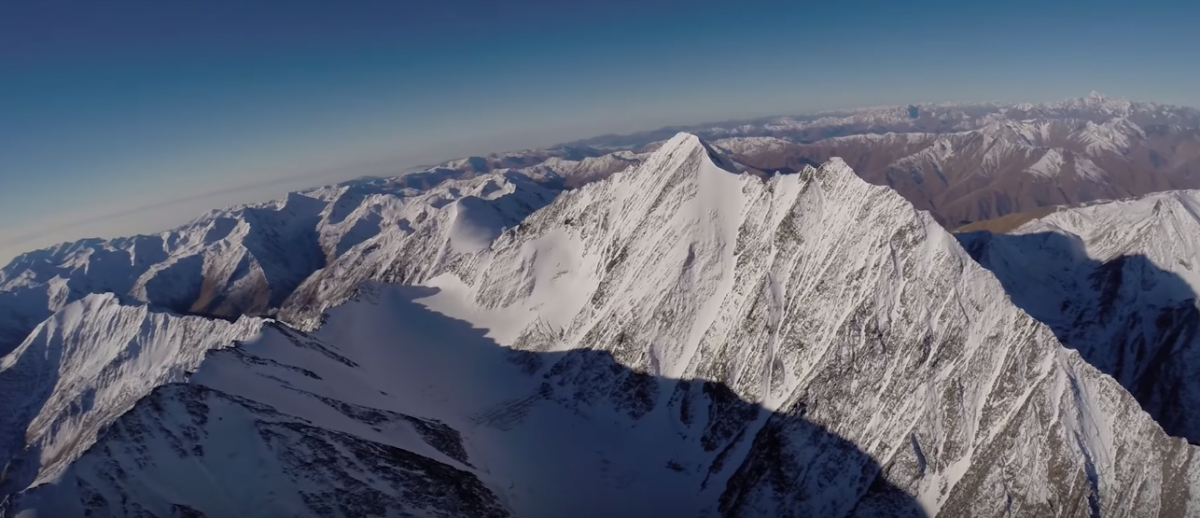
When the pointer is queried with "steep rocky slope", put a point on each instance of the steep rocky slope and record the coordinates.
(820, 292)
(1117, 281)
(698, 342)
(963, 163)
(82, 368)
(249, 260)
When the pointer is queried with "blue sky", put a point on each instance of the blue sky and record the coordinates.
(131, 116)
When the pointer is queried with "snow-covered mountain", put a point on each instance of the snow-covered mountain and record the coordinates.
(115, 304)
(819, 291)
(1003, 165)
(82, 368)
(228, 263)
(420, 237)
(1117, 281)
(248, 260)
(679, 339)
(563, 165)
(967, 163)
(963, 163)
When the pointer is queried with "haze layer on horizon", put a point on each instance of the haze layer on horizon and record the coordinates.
(134, 118)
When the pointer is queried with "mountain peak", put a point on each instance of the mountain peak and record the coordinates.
(678, 317)
(834, 170)
(683, 147)
(684, 141)
(1108, 104)
(684, 137)
(836, 165)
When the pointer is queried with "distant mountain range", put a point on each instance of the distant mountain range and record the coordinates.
(691, 326)
(967, 163)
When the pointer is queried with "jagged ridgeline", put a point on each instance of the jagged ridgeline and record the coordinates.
(687, 337)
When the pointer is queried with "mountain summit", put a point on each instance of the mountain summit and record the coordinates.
(967, 162)
(679, 339)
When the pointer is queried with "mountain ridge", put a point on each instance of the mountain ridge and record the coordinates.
(973, 162)
(1117, 280)
(886, 369)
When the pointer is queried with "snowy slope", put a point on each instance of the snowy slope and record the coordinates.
(963, 162)
(410, 409)
(418, 236)
(227, 263)
(85, 366)
(248, 260)
(847, 303)
(1117, 281)
(676, 340)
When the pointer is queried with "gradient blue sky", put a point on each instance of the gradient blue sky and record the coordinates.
(131, 116)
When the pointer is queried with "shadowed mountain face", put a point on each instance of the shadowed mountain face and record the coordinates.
(251, 260)
(1127, 316)
(679, 339)
(963, 163)
(85, 366)
(422, 413)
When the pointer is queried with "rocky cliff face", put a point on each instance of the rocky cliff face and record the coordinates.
(819, 293)
(697, 341)
(1116, 281)
(85, 366)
